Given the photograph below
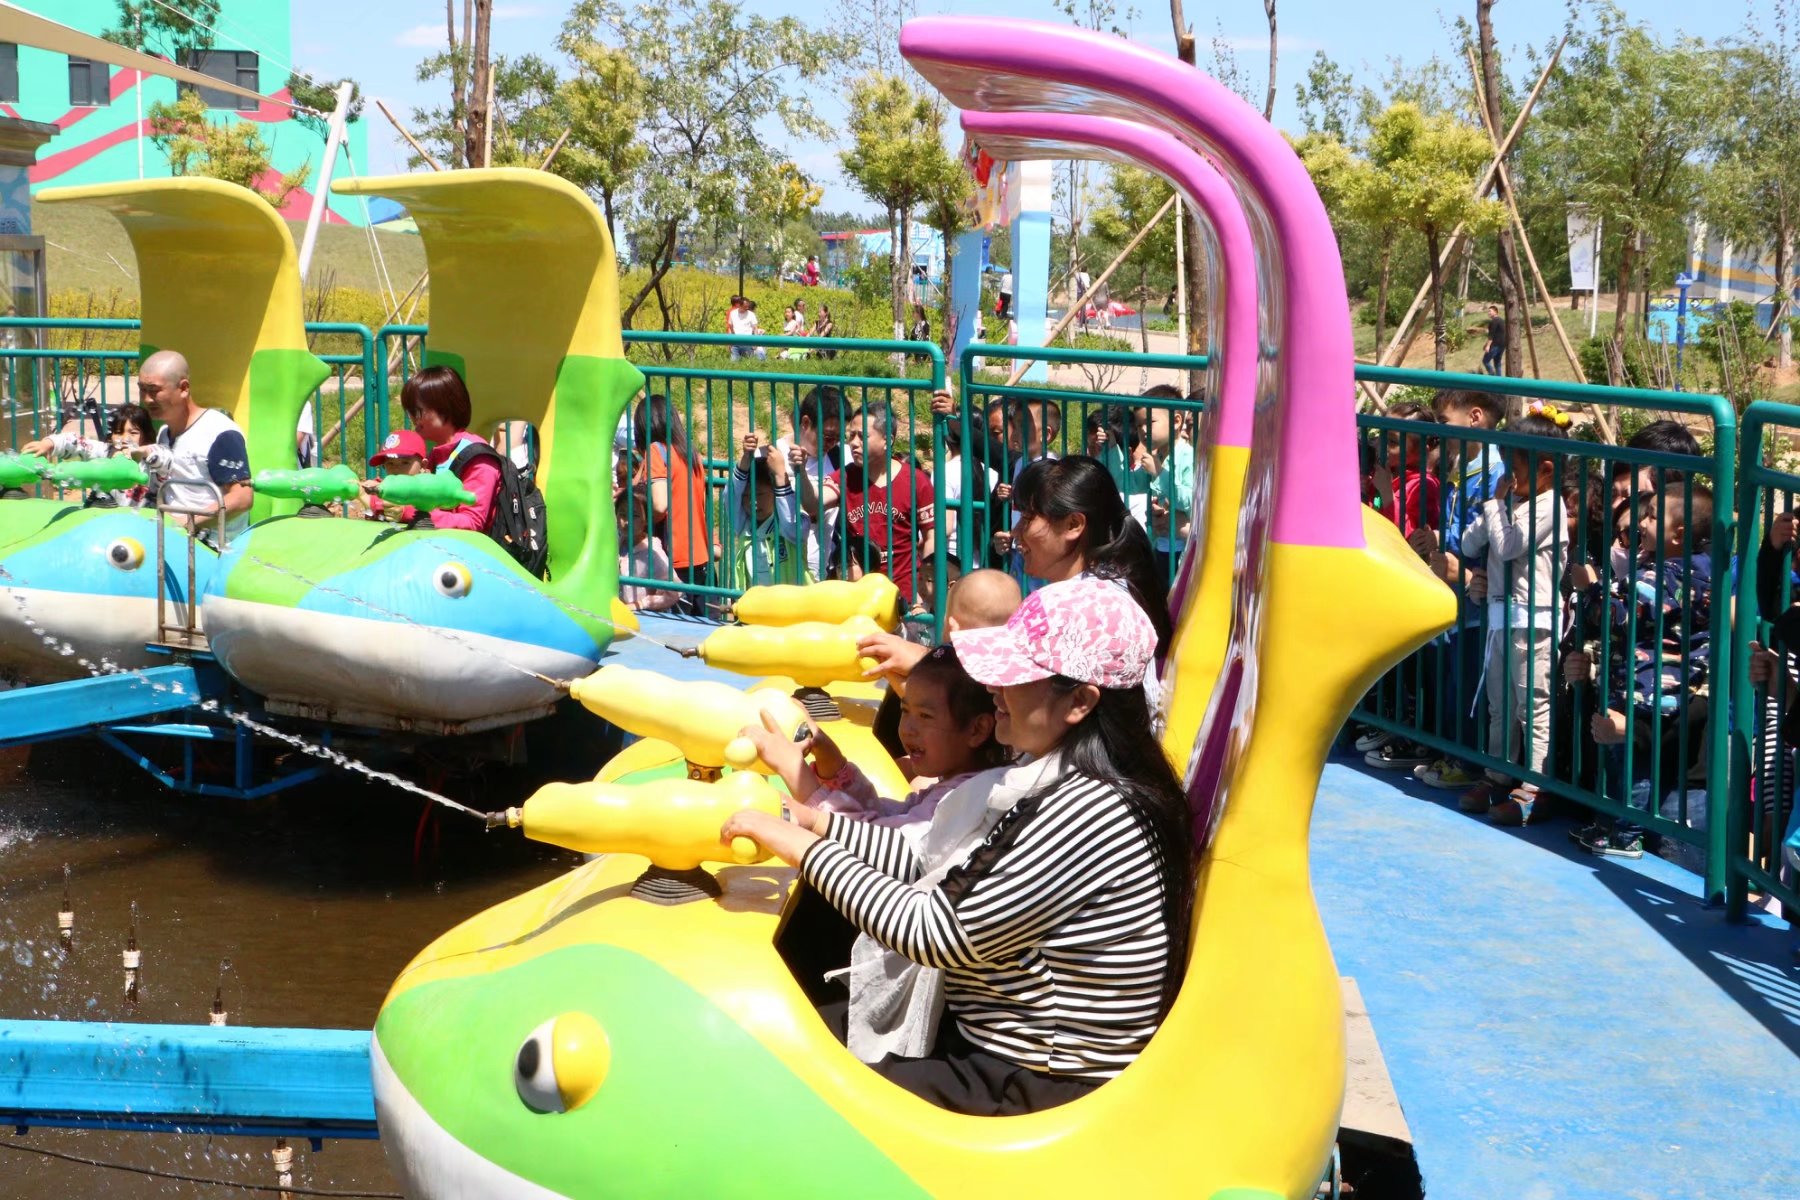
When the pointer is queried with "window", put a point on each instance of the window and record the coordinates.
(232, 66)
(9, 73)
(90, 83)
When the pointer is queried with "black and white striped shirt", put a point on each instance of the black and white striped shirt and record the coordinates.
(1051, 936)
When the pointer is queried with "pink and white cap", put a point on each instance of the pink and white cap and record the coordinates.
(1087, 629)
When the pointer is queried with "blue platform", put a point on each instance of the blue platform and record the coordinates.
(1556, 1025)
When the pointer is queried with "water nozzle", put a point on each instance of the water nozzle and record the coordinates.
(511, 818)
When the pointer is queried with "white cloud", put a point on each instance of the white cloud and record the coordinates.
(518, 12)
(421, 37)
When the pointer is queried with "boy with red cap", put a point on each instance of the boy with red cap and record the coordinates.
(402, 453)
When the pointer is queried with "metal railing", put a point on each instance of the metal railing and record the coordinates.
(1596, 669)
(1004, 427)
(1695, 756)
(44, 388)
(724, 522)
(1763, 734)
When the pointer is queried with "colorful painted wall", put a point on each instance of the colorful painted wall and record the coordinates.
(99, 144)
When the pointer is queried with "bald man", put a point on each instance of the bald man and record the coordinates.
(195, 443)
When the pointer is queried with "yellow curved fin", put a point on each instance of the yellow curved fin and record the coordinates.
(220, 283)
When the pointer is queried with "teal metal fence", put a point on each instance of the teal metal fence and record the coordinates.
(1695, 756)
(1765, 737)
(1001, 428)
(1596, 674)
(45, 388)
(703, 514)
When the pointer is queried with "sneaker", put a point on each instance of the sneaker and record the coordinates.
(1480, 798)
(1590, 837)
(1397, 755)
(1372, 739)
(1624, 845)
(1453, 777)
(1600, 838)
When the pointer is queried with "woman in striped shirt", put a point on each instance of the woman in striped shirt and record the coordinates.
(1061, 933)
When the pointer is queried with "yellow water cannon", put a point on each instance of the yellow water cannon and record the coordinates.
(702, 720)
(811, 653)
(672, 822)
(832, 601)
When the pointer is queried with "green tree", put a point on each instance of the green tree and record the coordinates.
(1432, 164)
(1328, 99)
(949, 201)
(896, 146)
(603, 105)
(175, 29)
(715, 80)
(523, 117)
(317, 98)
(1626, 119)
(1362, 197)
(230, 149)
(1752, 193)
(1131, 200)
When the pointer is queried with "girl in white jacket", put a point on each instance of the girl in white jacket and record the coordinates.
(1523, 529)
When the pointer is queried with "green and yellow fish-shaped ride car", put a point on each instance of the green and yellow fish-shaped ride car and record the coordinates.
(590, 1038)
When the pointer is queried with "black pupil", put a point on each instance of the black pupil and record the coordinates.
(449, 578)
(120, 553)
(528, 1059)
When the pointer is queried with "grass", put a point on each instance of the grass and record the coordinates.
(89, 252)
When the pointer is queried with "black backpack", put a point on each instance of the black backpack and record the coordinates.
(519, 524)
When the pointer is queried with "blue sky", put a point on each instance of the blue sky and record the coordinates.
(380, 44)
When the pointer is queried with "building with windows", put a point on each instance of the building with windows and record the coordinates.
(101, 113)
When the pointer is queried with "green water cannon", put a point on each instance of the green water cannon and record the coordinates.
(313, 485)
(321, 485)
(22, 470)
(115, 474)
(426, 492)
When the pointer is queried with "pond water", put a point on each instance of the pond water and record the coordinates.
(315, 900)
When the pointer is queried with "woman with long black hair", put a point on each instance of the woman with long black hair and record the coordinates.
(1052, 897)
(1073, 522)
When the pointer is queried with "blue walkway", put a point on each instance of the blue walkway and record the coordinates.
(1559, 1026)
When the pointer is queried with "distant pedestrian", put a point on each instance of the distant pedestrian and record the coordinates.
(1493, 356)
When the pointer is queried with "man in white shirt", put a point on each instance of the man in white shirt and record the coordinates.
(194, 444)
(741, 321)
(1006, 294)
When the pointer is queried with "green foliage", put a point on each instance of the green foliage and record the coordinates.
(1327, 100)
(229, 149)
(1131, 198)
(716, 81)
(316, 99)
(174, 29)
(1623, 123)
(601, 107)
(897, 159)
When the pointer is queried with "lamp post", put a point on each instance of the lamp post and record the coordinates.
(1683, 282)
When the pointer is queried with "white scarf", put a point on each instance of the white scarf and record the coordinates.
(895, 1003)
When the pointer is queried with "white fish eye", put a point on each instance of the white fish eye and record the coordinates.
(453, 580)
(534, 1071)
(127, 554)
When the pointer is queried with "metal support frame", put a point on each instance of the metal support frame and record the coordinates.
(231, 1080)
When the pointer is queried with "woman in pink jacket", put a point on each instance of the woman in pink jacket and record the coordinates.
(437, 403)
